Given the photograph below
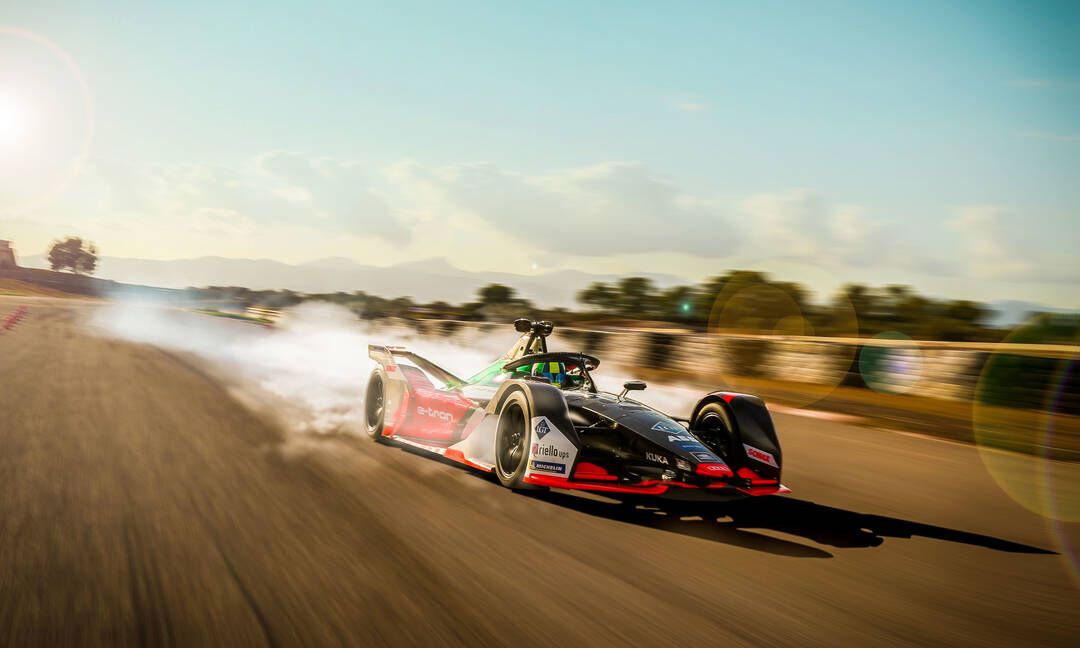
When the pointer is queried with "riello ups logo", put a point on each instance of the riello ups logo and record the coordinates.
(548, 450)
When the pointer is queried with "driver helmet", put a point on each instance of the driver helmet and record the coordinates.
(555, 372)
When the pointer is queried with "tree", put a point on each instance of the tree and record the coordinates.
(599, 295)
(678, 303)
(73, 254)
(636, 296)
(494, 294)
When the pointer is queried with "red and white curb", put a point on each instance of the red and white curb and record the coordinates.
(14, 316)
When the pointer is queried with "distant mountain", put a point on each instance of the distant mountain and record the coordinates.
(1011, 312)
(427, 280)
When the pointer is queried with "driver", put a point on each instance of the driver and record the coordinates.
(559, 374)
(555, 372)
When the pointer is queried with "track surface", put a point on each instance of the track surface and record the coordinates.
(141, 505)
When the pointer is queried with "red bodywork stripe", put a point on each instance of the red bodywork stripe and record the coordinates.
(755, 478)
(555, 482)
(654, 487)
(586, 470)
(399, 416)
(714, 470)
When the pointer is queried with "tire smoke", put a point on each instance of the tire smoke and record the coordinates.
(311, 371)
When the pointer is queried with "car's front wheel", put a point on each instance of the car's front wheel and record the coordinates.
(713, 426)
(512, 442)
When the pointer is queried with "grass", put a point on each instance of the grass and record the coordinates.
(18, 288)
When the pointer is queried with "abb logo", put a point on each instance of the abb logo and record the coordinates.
(434, 413)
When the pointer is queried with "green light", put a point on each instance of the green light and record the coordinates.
(685, 307)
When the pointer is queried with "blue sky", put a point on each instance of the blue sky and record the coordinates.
(928, 143)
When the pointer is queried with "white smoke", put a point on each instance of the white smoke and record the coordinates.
(311, 372)
(314, 368)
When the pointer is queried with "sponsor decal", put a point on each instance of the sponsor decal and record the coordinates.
(652, 456)
(549, 450)
(704, 456)
(542, 428)
(760, 455)
(434, 413)
(714, 468)
(682, 465)
(670, 428)
(547, 466)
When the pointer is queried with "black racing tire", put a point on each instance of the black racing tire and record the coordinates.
(375, 406)
(512, 437)
(714, 427)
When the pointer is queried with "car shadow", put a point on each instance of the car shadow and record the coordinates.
(742, 523)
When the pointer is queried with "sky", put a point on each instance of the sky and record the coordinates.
(935, 144)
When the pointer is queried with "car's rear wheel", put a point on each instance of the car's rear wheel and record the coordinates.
(713, 426)
(375, 406)
(512, 442)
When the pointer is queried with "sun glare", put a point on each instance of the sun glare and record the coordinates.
(12, 119)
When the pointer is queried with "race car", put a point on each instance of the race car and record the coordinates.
(536, 419)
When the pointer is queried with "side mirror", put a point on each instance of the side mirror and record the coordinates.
(631, 385)
(522, 325)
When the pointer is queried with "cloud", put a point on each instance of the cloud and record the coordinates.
(1051, 137)
(600, 210)
(690, 106)
(221, 221)
(482, 215)
(686, 104)
(988, 251)
(798, 223)
(1046, 83)
(788, 223)
(271, 189)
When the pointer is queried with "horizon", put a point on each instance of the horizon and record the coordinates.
(1003, 312)
(929, 146)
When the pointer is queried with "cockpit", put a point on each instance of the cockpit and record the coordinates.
(561, 374)
(529, 359)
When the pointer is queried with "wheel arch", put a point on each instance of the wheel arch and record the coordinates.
(544, 400)
(752, 426)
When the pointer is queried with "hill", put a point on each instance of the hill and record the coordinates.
(429, 280)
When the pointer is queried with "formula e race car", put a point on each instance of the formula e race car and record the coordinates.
(536, 419)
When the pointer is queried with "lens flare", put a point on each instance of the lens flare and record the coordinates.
(12, 119)
(764, 329)
(13, 124)
(1065, 537)
(1028, 399)
(891, 363)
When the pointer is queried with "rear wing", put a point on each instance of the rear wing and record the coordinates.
(385, 355)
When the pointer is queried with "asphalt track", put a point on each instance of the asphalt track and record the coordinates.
(141, 505)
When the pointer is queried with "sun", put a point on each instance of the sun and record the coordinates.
(13, 123)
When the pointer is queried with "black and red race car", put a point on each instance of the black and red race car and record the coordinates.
(536, 419)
